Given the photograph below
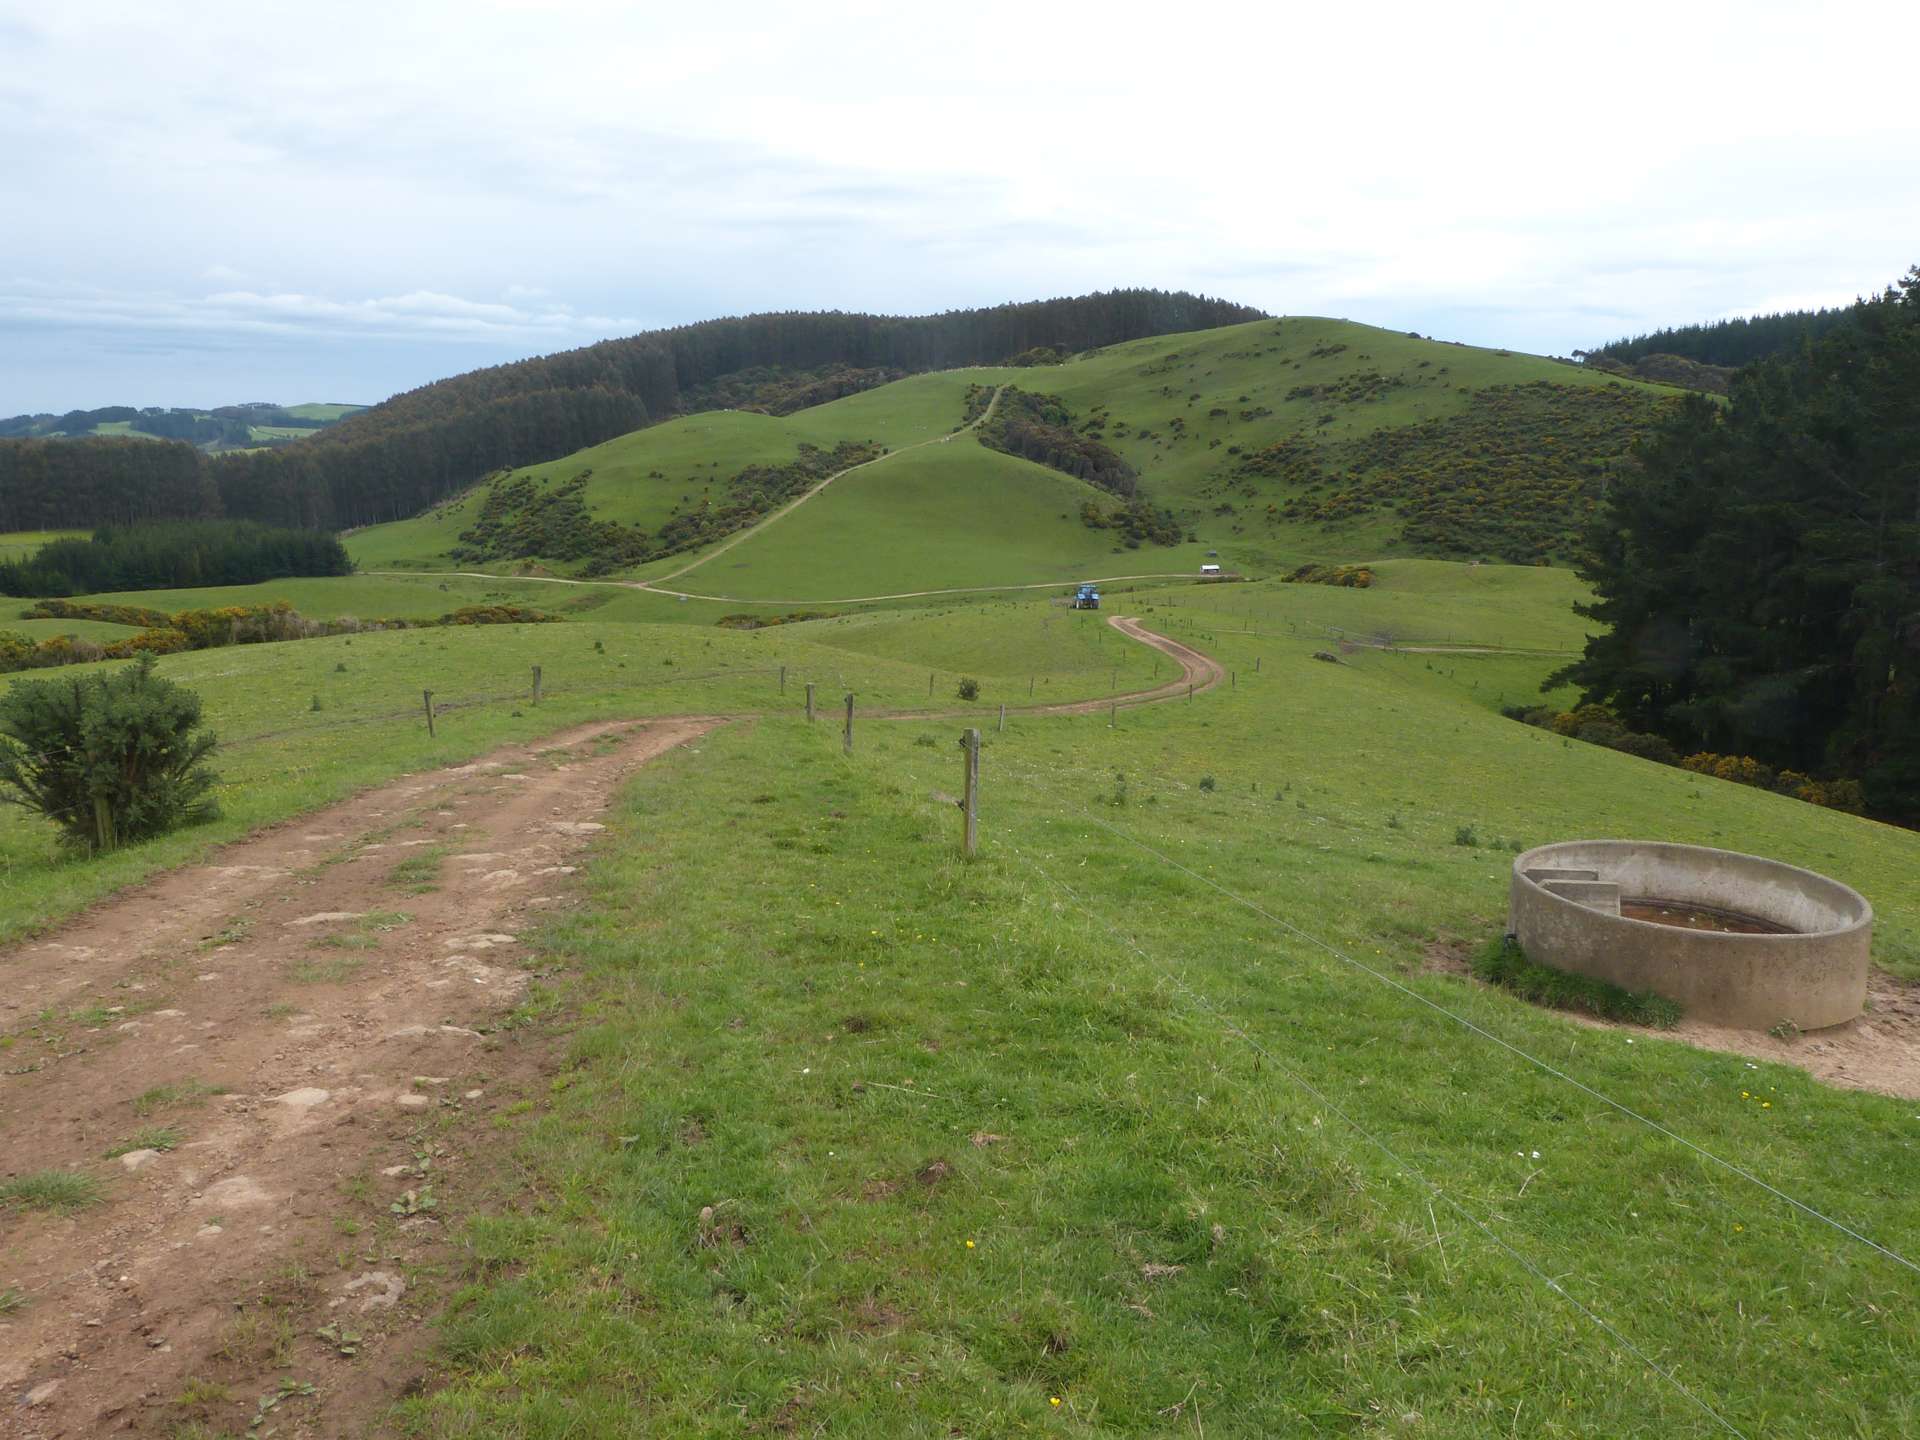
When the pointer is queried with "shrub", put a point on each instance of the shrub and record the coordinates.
(110, 759)
(1206, 782)
(969, 689)
(1464, 835)
(1656, 748)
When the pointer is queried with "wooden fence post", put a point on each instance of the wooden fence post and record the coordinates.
(847, 740)
(970, 742)
(810, 702)
(1003, 715)
(536, 684)
(426, 699)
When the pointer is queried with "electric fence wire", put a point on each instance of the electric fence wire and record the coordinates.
(1385, 979)
(1433, 1189)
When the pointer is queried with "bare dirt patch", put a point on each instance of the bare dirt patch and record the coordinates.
(1878, 1051)
(316, 1043)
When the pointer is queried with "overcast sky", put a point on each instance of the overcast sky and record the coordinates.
(209, 202)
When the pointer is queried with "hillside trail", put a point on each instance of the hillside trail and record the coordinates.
(323, 1041)
(985, 415)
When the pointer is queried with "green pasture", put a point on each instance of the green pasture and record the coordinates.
(1067, 1138)
(1081, 1144)
(949, 515)
(317, 410)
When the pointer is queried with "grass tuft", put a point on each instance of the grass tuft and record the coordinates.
(1502, 962)
(60, 1191)
(148, 1137)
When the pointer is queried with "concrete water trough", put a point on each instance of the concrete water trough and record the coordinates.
(1736, 939)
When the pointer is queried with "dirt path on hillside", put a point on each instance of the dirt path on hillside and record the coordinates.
(316, 1031)
(985, 415)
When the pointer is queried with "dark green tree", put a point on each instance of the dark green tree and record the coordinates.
(110, 759)
(1758, 575)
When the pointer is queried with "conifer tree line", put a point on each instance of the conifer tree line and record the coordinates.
(1736, 342)
(420, 447)
(1759, 575)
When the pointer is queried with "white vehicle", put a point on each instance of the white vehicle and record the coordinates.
(1209, 569)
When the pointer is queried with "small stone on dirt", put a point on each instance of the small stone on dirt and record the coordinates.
(304, 1099)
(235, 1192)
(134, 1159)
(474, 1094)
(321, 917)
(377, 1289)
(412, 1102)
(576, 827)
(41, 1393)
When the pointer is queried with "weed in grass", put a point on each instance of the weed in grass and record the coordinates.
(61, 1191)
(184, 1092)
(316, 706)
(148, 1137)
(11, 1300)
(199, 1392)
(261, 1337)
(232, 933)
(331, 971)
(1206, 783)
(1502, 962)
(419, 873)
(1464, 835)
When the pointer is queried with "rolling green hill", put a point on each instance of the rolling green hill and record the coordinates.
(1271, 442)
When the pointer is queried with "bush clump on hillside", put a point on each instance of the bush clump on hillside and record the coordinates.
(1040, 428)
(110, 759)
(1598, 725)
(1355, 577)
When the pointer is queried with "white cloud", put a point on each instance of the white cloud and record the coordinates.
(1540, 176)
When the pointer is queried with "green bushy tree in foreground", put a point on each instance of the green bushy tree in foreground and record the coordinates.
(110, 759)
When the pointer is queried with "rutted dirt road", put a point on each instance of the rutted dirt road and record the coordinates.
(310, 1024)
(292, 1040)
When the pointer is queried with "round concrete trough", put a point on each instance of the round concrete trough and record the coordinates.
(1565, 904)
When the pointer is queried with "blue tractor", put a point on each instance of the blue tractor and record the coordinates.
(1087, 597)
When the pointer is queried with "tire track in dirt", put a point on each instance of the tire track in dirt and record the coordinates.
(344, 1018)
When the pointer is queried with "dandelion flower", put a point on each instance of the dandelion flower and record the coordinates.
(1055, 1401)
(969, 1244)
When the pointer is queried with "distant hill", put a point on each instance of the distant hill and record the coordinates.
(255, 424)
(1270, 441)
(399, 457)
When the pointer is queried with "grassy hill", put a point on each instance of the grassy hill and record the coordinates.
(1272, 442)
